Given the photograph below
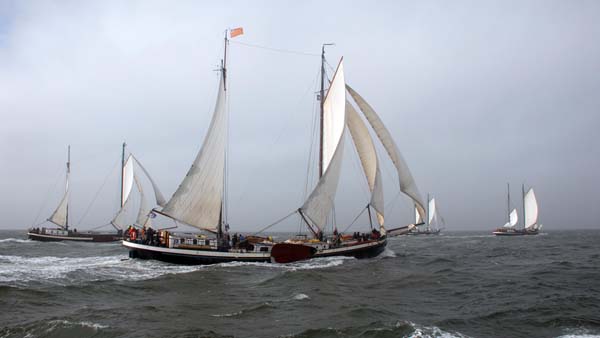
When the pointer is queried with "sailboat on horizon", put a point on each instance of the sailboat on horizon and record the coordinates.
(434, 220)
(530, 216)
(61, 216)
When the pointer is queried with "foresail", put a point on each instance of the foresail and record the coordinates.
(143, 218)
(432, 211)
(407, 183)
(59, 216)
(531, 209)
(513, 217)
(320, 202)
(198, 198)
(119, 221)
(418, 218)
(160, 200)
(368, 158)
(127, 180)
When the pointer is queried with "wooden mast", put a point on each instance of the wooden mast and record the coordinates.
(68, 173)
(222, 215)
(122, 171)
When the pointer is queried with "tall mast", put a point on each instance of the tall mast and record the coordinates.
(68, 173)
(428, 212)
(122, 171)
(223, 214)
(508, 201)
(523, 191)
(322, 103)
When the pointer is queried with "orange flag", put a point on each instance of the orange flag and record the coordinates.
(236, 31)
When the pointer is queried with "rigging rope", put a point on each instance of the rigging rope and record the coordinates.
(279, 50)
(276, 222)
(356, 218)
(98, 192)
(46, 201)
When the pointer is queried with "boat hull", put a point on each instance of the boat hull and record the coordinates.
(515, 233)
(75, 237)
(298, 252)
(192, 257)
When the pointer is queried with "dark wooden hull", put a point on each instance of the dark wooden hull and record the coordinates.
(288, 252)
(515, 233)
(417, 233)
(75, 237)
(191, 257)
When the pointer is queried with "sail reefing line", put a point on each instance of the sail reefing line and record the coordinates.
(60, 216)
(407, 183)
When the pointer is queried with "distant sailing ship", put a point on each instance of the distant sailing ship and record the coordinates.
(432, 227)
(60, 216)
(530, 216)
(200, 200)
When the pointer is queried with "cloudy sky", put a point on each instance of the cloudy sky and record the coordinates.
(475, 93)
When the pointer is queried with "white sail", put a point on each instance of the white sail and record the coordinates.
(368, 158)
(198, 198)
(531, 209)
(320, 202)
(160, 200)
(432, 211)
(119, 221)
(513, 217)
(334, 122)
(59, 216)
(418, 218)
(143, 218)
(127, 179)
(407, 183)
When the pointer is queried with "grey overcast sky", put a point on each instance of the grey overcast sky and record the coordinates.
(475, 93)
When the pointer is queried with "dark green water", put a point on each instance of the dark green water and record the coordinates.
(458, 284)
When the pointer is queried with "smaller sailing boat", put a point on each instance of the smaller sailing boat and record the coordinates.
(433, 220)
(530, 216)
(60, 217)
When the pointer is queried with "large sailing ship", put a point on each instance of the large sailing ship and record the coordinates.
(530, 216)
(200, 200)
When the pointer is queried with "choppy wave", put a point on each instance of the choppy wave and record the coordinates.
(20, 270)
(16, 240)
(54, 328)
(398, 329)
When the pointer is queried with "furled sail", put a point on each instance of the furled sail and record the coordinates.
(531, 209)
(160, 200)
(368, 158)
(198, 198)
(59, 216)
(407, 183)
(143, 218)
(320, 202)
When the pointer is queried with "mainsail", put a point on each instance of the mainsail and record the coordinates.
(198, 199)
(418, 218)
(60, 216)
(320, 202)
(531, 209)
(432, 211)
(368, 158)
(407, 183)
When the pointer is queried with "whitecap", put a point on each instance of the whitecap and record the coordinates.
(421, 331)
(300, 296)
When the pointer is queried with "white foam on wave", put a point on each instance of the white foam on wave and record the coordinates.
(421, 331)
(56, 323)
(60, 270)
(16, 240)
(579, 333)
(388, 253)
(300, 296)
(315, 263)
